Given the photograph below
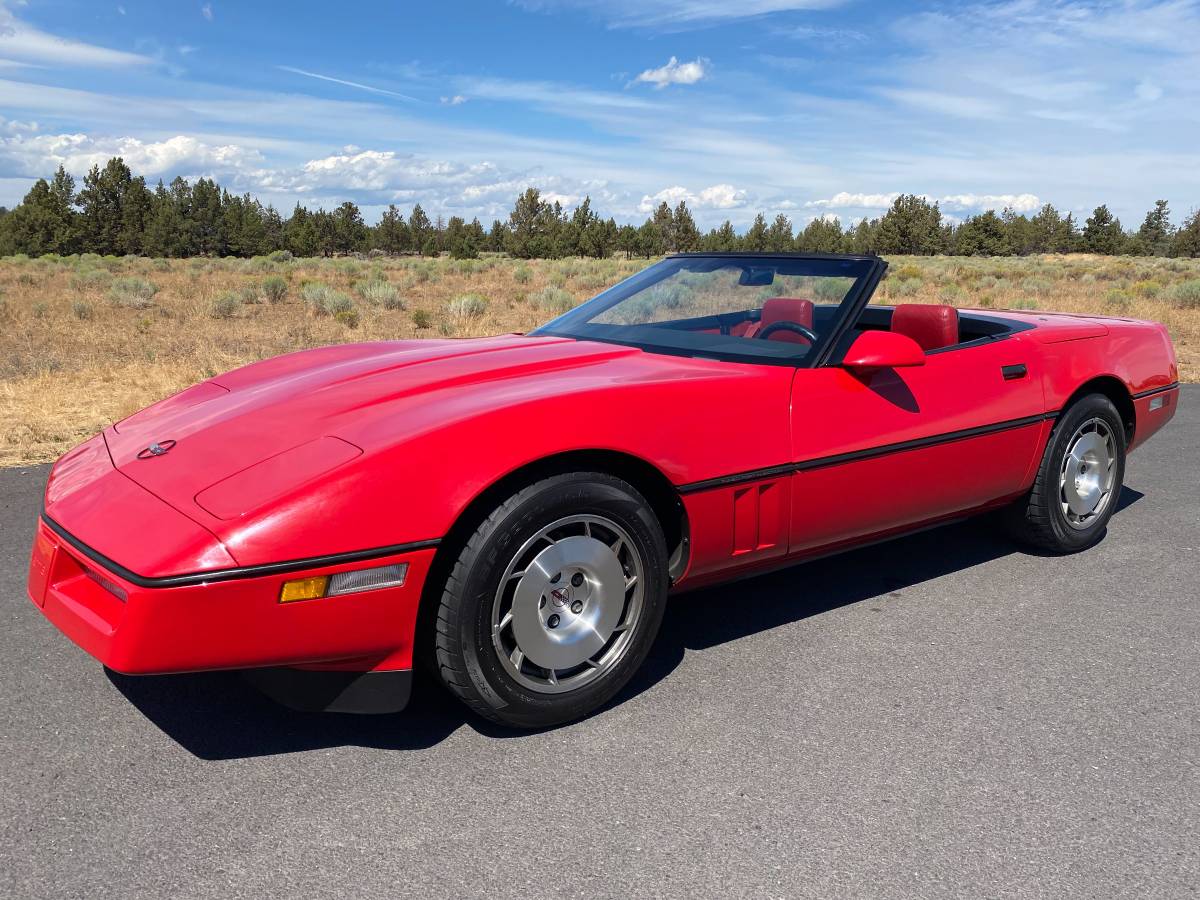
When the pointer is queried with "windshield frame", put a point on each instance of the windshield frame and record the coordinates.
(572, 324)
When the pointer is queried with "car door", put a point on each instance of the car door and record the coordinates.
(900, 447)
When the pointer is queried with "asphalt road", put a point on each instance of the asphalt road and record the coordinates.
(939, 716)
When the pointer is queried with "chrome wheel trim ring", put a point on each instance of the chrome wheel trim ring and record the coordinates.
(1085, 480)
(568, 604)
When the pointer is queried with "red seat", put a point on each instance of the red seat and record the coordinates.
(784, 309)
(933, 327)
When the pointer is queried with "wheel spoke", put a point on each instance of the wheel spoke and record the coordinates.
(577, 648)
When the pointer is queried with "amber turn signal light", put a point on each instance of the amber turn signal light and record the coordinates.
(304, 589)
(352, 582)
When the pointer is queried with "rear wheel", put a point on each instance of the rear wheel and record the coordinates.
(1078, 482)
(553, 602)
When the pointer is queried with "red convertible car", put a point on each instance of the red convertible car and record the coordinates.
(515, 510)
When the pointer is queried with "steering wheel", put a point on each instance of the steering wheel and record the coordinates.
(785, 325)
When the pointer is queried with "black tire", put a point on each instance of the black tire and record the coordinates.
(469, 662)
(1038, 519)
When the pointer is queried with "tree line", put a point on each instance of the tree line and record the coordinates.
(116, 212)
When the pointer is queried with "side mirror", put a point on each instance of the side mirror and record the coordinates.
(883, 350)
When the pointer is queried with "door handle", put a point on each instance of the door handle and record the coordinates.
(1012, 373)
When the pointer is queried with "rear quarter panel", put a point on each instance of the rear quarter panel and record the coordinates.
(1138, 354)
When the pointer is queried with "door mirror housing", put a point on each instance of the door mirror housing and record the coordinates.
(873, 350)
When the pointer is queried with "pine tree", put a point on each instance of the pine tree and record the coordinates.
(663, 221)
(721, 240)
(391, 234)
(1154, 237)
(1186, 241)
(102, 221)
(821, 235)
(300, 233)
(462, 238)
(1018, 231)
(864, 237)
(982, 235)
(684, 231)
(497, 236)
(272, 230)
(208, 234)
(1051, 233)
(350, 233)
(756, 236)
(650, 240)
(136, 206)
(530, 226)
(1102, 233)
(627, 240)
(779, 235)
(167, 228)
(31, 224)
(419, 228)
(912, 226)
(61, 209)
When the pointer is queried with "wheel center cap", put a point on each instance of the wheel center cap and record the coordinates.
(579, 633)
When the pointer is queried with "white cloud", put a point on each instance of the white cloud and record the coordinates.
(382, 171)
(36, 155)
(1022, 203)
(21, 41)
(13, 126)
(645, 13)
(961, 105)
(1078, 59)
(844, 200)
(675, 72)
(719, 196)
(207, 11)
(456, 100)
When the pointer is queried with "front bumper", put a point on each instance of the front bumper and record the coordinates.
(224, 622)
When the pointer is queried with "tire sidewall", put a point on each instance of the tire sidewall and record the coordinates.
(1089, 407)
(548, 501)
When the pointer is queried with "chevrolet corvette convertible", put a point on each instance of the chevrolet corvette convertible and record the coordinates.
(512, 512)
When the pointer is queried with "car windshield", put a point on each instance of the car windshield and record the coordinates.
(748, 308)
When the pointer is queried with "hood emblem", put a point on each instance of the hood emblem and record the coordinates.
(159, 448)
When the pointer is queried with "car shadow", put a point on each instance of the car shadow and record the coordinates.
(219, 716)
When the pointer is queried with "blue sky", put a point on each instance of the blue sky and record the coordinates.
(807, 107)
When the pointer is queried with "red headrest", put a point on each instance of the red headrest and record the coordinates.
(785, 309)
(930, 326)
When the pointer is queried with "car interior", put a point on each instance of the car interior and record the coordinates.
(934, 327)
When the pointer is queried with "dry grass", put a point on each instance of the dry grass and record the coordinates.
(82, 346)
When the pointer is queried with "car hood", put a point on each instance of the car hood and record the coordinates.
(226, 444)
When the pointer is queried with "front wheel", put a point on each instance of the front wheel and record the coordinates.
(554, 601)
(1078, 482)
